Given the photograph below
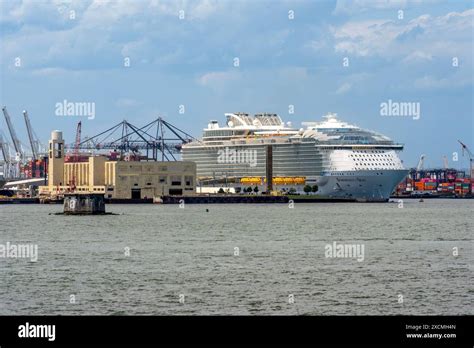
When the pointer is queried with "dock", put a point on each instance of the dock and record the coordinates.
(224, 199)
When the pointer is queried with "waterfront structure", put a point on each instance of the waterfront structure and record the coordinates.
(115, 179)
(342, 160)
(83, 204)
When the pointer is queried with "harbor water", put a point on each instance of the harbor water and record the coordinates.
(241, 259)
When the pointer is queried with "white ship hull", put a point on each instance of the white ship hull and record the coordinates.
(368, 185)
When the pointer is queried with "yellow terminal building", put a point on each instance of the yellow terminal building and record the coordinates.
(115, 179)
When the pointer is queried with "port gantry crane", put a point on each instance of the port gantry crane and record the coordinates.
(421, 163)
(469, 153)
(130, 138)
(34, 141)
(16, 141)
(445, 162)
(4, 148)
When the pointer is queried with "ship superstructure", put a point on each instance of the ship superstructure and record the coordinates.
(238, 149)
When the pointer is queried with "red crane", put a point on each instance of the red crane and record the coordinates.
(75, 153)
(75, 156)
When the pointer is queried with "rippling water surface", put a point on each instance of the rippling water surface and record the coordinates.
(173, 251)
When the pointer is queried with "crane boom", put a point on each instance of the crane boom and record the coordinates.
(77, 142)
(6, 157)
(4, 149)
(471, 156)
(465, 148)
(16, 141)
(33, 141)
(420, 163)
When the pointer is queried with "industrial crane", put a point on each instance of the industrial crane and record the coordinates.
(469, 153)
(445, 162)
(6, 156)
(421, 162)
(75, 150)
(132, 139)
(16, 141)
(34, 142)
(75, 155)
(4, 149)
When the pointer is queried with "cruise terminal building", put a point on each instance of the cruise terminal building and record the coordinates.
(116, 179)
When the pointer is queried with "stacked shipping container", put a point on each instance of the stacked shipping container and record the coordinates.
(441, 181)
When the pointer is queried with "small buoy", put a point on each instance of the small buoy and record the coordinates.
(207, 210)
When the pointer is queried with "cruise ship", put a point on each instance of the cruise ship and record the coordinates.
(342, 160)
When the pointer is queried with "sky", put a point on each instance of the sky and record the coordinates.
(138, 60)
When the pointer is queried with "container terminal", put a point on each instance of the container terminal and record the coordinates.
(128, 163)
(437, 182)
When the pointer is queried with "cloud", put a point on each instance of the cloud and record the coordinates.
(458, 79)
(442, 36)
(418, 56)
(218, 78)
(149, 32)
(50, 15)
(352, 81)
(364, 38)
(317, 45)
(344, 88)
(351, 7)
(410, 33)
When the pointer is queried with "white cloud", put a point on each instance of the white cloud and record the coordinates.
(352, 81)
(455, 80)
(364, 38)
(418, 56)
(351, 7)
(344, 88)
(447, 35)
(205, 8)
(52, 15)
(147, 31)
(102, 13)
(218, 78)
(317, 45)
